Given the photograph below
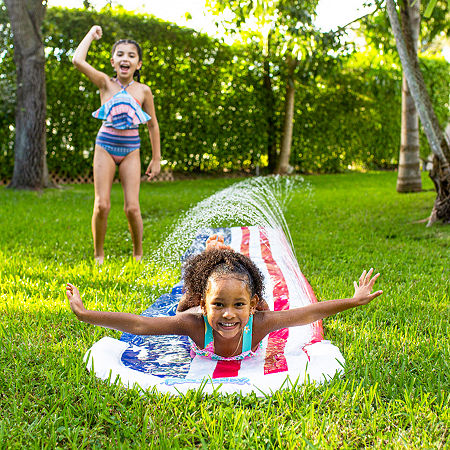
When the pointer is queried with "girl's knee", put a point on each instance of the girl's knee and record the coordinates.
(102, 207)
(132, 211)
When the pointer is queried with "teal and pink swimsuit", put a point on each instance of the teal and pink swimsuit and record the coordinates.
(208, 350)
(119, 133)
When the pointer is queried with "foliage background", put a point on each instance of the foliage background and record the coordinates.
(209, 100)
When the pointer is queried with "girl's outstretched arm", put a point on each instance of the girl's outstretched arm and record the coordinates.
(274, 320)
(79, 58)
(130, 323)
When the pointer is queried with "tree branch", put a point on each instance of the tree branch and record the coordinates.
(358, 19)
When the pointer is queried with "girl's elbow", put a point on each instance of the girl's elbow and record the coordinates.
(77, 61)
(141, 330)
(137, 331)
(153, 125)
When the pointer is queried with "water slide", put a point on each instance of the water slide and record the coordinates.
(287, 358)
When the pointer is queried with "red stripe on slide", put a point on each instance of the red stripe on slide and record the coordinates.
(245, 241)
(316, 326)
(231, 368)
(275, 360)
(226, 369)
(317, 329)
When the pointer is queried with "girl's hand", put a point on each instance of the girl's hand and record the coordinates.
(153, 169)
(75, 302)
(364, 287)
(96, 32)
(216, 241)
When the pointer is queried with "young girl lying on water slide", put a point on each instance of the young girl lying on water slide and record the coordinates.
(233, 317)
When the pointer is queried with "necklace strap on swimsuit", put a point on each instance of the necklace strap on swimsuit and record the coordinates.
(246, 334)
(122, 86)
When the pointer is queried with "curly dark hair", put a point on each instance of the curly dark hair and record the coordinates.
(199, 268)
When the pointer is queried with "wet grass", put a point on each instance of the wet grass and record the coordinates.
(395, 392)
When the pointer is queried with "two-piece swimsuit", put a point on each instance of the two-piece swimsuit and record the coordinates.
(122, 115)
(208, 350)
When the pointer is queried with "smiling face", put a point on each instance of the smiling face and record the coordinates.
(126, 60)
(228, 304)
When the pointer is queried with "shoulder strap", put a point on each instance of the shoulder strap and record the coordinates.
(208, 332)
(247, 337)
(121, 85)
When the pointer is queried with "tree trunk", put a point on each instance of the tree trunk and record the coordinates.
(270, 112)
(409, 178)
(288, 126)
(269, 106)
(30, 171)
(438, 144)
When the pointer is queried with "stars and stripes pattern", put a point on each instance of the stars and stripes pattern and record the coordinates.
(286, 357)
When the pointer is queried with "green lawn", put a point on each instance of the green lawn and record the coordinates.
(396, 389)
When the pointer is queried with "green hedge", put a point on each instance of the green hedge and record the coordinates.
(7, 98)
(209, 100)
(209, 112)
(354, 119)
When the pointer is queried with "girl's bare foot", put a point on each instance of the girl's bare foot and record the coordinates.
(99, 260)
(217, 241)
(137, 257)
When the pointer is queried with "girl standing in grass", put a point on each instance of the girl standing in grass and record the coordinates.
(232, 320)
(126, 103)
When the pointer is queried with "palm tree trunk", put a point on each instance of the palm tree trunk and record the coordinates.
(270, 117)
(288, 126)
(438, 144)
(30, 170)
(409, 178)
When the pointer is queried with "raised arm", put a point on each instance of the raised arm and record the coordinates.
(79, 58)
(274, 320)
(130, 323)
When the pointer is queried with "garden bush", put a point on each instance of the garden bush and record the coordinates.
(209, 100)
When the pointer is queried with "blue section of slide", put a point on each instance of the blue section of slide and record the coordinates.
(166, 356)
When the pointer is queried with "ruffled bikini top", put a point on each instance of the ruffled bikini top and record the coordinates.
(122, 111)
(208, 351)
